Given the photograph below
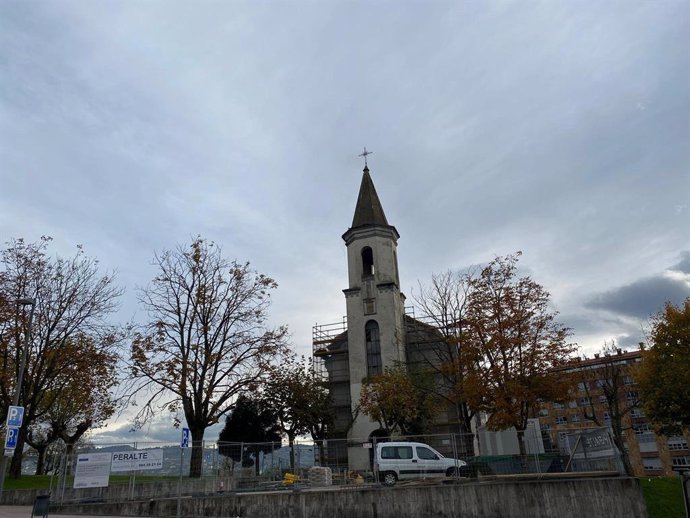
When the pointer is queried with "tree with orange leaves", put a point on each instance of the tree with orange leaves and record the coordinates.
(514, 341)
(395, 402)
(72, 346)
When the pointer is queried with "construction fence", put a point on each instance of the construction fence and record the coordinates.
(138, 471)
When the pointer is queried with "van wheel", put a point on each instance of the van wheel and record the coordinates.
(389, 478)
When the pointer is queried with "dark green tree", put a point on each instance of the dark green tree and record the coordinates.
(298, 397)
(251, 428)
(663, 374)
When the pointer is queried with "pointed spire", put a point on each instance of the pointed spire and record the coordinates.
(369, 210)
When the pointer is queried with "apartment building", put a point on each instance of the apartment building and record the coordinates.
(600, 378)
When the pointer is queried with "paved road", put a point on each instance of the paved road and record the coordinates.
(24, 511)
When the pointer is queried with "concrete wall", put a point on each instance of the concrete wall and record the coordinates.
(142, 490)
(566, 498)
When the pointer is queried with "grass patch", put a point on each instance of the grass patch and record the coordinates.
(28, 482)
(664, 497)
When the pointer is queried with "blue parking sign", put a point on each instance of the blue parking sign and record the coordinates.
(15, 416)
(11, 439)
(184, 443)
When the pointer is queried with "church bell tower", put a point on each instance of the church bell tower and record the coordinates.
(375, 305)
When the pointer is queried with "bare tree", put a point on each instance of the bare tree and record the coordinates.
(207, 341)
(72, 303)
(612, 380)
(443, 304)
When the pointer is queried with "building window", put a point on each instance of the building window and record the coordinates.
(636, 412)
(677, 442)
(558, 405)
(575, 418)
(369, 306)
(642, 428)
(562, 420)
(628, 380)
(367, 262)
(544, 412)
(373, 348)
(572, 404)
(603, 400)
(652, 464)
(585, 401)
(632, 396)
(680, 461)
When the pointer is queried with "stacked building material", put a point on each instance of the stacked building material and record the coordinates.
(320, 476)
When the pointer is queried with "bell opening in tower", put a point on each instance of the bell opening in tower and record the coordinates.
(367, 262)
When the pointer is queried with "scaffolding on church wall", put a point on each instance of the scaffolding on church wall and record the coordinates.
(329, 349)
(330, 353)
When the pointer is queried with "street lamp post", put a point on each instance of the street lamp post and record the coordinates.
(20, 378)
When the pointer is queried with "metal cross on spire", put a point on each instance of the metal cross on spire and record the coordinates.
(365, 156)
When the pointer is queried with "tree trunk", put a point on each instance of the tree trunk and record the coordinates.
(521, 443)
(291, 444)
(69, 462)
(41, 459)
(196, 462)
(619, 441)
(466, 442)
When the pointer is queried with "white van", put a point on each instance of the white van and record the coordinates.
(404, 460)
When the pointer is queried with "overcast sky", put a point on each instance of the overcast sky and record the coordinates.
(557, 128)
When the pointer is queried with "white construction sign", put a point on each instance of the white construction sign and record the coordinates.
(137, 460)
(93, 470)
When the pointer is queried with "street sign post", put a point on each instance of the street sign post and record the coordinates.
(184, 443)
(15, 416)
(11, 438)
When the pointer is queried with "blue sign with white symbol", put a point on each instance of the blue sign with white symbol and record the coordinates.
(184, 443)
(15, 416)
(11, 439)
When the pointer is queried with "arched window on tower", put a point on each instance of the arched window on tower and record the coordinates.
(367, 262)
(373, 348)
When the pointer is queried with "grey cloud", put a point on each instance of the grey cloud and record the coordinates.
(684, 264)
(643, 297)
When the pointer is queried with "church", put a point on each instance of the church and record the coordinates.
(376, 333)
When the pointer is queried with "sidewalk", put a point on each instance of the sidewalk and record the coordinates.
(24, 511)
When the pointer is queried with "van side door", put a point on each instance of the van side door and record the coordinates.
(398, 458)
